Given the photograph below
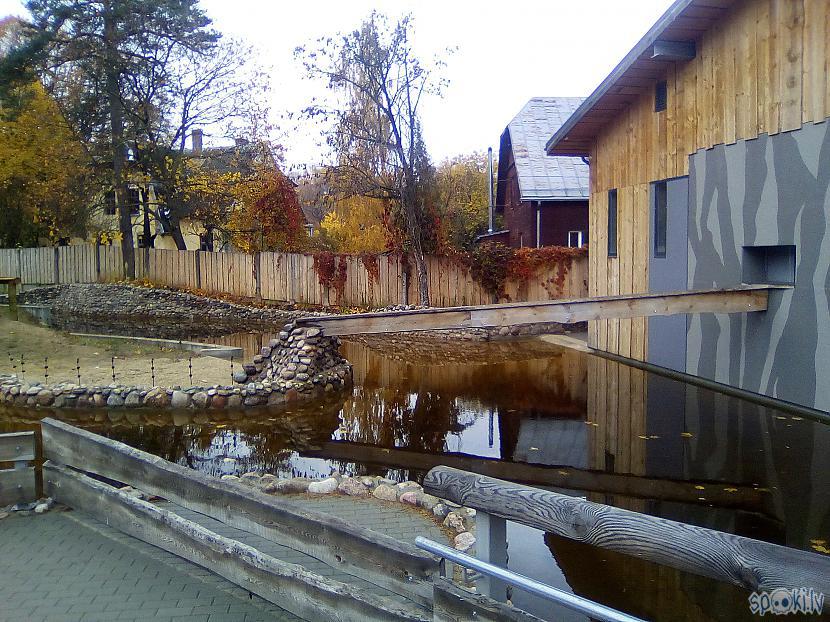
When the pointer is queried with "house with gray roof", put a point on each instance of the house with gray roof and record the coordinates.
(544, 199)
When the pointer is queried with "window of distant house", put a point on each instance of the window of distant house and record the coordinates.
(134, 200)
(109, 204)
(660, 96)
(575, 239)
(660, 219)
(612, 223)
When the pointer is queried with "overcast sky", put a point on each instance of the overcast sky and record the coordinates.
(507, 52)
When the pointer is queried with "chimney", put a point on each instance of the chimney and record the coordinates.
(196, 140)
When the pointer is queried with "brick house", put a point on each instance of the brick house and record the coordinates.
(543, 199)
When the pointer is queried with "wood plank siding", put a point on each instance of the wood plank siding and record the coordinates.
(763, 68)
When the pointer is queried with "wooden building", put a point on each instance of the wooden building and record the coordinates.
(709, 166)
(544, 199)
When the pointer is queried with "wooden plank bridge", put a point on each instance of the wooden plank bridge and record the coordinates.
(742, 299)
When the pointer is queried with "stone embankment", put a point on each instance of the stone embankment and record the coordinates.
(457, 520)
(300, 364)
(157, 312)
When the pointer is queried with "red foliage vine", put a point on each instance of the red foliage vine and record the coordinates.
(331, 272)
(370, 262)
(492, 265)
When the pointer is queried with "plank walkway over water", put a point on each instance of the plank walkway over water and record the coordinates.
(742, 299)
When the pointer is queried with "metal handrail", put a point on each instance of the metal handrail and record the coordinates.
(590, 608)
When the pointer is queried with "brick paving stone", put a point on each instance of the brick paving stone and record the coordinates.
(66, 566)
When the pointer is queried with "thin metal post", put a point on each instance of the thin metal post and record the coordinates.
(490, 206)
(78, 369)
(491, 547)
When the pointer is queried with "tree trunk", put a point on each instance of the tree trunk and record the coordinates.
(410, 206)
(176, 232)
(116, 112)
(148, 239)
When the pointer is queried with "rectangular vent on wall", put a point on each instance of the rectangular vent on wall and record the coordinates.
(771, 265)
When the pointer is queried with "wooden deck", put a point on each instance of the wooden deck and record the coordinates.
(743, 299)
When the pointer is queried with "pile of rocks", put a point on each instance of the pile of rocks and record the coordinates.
(457, 520)
(300, 358)
(41, 506)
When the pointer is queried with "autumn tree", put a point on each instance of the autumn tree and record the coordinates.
(463, 198)
(224, 89)
(45, 173)
(267, 214)
(355, 225)
(376, 133)
(84, 50)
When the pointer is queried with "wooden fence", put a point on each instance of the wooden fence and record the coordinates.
(284, 276)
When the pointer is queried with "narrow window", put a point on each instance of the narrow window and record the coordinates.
(109, 204)
(575, 239)
(660, 219)
(660, 96)
(134, 200)
(612, 223)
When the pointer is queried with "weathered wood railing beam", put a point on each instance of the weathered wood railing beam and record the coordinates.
(17, 484)
(751, 564)
(310, 596)
(743, 299)
(380, 559)
(739, 497)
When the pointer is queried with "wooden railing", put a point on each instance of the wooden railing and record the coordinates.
(751, 564)
(17, 485)
(382, 560)
(379, 282)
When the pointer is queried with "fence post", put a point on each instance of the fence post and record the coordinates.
(97, 260)
(57, 266)
(491, 547)
(258, 274)
(198, 269)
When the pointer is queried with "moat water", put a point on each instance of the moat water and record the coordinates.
(550, 417)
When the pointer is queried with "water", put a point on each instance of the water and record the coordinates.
(551, 417)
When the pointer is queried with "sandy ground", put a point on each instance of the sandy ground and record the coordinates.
(132, 361)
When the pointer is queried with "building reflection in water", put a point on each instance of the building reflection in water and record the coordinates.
(540, 414)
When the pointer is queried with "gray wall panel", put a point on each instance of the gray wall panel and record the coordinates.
(762, 192)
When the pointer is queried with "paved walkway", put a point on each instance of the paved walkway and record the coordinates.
(65, 566)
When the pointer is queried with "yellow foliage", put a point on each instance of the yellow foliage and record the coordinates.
(43, 167)
(355, 225)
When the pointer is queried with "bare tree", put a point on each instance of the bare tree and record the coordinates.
(376, 133)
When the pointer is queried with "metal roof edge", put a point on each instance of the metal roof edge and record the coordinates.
(556, 199)
(665, 20)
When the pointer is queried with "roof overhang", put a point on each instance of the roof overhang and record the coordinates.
(670, 40)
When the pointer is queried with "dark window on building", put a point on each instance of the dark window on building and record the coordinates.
(576, 239)
(134, 200)
(660, 218)
(660, 96)
(109, 204)
(612, 223)
(771, 265)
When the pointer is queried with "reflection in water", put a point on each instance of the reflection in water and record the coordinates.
(537, 413)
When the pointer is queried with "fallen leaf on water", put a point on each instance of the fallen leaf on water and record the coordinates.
(222, 425)
(686, 434)
(534, 449)
(700, 488)
(228, 460)
(562, 472)
(730, 489)
(818, 541)
(796, 418)
(779, 417)
(654, 436)
(821, 549)
(645, 438)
